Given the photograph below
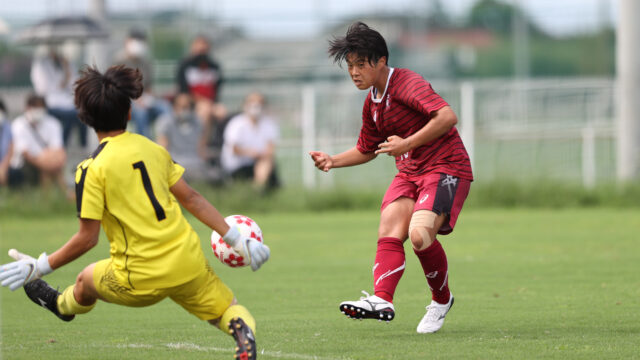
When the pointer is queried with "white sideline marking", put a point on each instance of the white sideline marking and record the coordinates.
(191, 346)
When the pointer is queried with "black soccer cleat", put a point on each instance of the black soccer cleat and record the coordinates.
(368, 307)
(44, 295)
(245, 340)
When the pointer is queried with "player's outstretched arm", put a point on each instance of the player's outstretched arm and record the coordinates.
(81, 242)
(351, 157)
(197, 205)
(255, 251)
(26, 268)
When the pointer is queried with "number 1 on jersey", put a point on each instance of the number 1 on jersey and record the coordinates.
(146, 182)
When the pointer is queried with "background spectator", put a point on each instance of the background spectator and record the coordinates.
(148, 107)
(6, 146)
(52, 78)
(249, 144)
(38, 153)
(181, 133)
(200, 76)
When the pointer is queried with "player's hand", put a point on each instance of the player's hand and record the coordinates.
(257, 252)
(322, 160)
(252, 249)
(25, 269)
(394, 146)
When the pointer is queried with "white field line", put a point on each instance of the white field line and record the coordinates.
(190, 346)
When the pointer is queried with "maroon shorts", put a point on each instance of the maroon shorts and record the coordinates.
(440, 193)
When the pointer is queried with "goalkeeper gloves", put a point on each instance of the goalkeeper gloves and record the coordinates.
(25, 269)
(257, 252)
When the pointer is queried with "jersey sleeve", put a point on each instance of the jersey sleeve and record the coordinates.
(369, 137)
(420, 96)
(272, 132)
(89, 191)
(56, 140)
(175, 171)
(162, 125)
(232, 132)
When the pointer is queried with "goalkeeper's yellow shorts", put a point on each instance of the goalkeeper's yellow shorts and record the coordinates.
(206, 296)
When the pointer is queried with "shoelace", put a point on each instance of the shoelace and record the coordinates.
(433, 312)
(366, 295)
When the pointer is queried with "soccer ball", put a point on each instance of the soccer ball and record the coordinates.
(223, 251)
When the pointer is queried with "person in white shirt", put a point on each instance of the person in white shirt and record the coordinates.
(52, 78)
(38, 152)
(249, 144)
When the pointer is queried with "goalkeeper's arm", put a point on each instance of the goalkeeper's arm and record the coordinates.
(26, 268)
(197, 205)
(81, 242)
(255, 251)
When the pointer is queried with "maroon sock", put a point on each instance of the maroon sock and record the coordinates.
(434, 264)
(388, 268)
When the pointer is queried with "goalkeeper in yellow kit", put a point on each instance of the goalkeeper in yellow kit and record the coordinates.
(131, 186)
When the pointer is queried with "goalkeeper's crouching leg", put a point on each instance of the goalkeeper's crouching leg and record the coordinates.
(68, 305)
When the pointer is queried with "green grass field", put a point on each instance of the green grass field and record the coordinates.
(529, 284)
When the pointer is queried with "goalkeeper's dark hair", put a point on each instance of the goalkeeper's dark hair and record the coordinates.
(360, 40)
(104, 100)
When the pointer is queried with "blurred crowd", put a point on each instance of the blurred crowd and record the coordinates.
(216, 145)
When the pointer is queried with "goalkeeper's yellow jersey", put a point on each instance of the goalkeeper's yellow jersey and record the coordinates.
(125, 184)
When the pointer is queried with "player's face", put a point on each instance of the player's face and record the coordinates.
(363, 73)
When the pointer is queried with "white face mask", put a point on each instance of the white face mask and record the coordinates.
(254, 110)
(136, 48)
(36, 115)
(183, 116)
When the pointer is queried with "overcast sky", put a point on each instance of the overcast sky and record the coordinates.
(298, 18)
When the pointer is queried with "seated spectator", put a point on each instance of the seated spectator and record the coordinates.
(52, 77)
(6, 144)
(181, 133)
(148, 107)
(249, 145)
(38, 152)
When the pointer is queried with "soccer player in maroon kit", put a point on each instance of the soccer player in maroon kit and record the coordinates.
(403, 117)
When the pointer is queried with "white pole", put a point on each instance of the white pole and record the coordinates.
(628, 78)
(97, 49)
(520, 28)
(467, 118)
(588, 157)
(308, 135)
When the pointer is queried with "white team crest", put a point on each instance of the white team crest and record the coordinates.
(388, 101)
(375, 115)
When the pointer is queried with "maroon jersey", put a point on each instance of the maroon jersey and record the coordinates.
(406, 107)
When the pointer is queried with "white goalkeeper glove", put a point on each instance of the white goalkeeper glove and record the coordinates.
(257, 252)
(25, 269)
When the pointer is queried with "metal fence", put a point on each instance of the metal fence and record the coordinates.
(558, 129)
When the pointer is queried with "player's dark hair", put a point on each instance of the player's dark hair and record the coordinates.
(2, 107)
(104, 100)
(34, 100)
(360, 40)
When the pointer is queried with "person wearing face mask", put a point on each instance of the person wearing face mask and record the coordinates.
(181, 133)
(38, 152)
(52, 76)
(148, 107)
(249, 145)
(6, 144)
